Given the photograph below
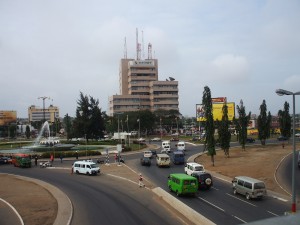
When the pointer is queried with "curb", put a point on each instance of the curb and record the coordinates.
(65, 207)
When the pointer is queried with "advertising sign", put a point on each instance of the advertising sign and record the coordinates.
(7, 117)
(217, 111)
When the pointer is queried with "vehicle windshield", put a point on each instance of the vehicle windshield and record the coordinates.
(199, 168)
(259, 185)
(93, 166)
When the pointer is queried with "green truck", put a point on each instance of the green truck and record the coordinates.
(21, 160)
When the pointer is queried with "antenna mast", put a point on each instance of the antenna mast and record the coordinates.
(149, 51)
(125, 49)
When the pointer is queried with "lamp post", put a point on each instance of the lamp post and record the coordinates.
(282, 92)
(160, 129)
(81, 113)
(44, 98)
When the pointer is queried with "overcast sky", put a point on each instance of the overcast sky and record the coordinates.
(59, 48)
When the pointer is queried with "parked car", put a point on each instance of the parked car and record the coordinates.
(250, 140)
(204, 180)
(145, 161)
(282, 138)
(174, 139)
(156, 139)
(141, 140)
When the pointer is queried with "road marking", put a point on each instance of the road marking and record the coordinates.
(215, 188)
(240, 199)
(211, 204)
(274, 214)
(239, 219)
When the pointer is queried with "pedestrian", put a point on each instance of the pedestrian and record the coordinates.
(76, 154)
(51, 158)
(141, 184)
(116, 157)
(35, 160)
(61, 158)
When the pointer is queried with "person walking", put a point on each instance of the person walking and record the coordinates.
(51, 158)
(141, 184)
(76, 154)
(35, 160)
(61, 158)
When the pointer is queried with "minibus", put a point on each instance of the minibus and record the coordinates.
(86, 167)
(182, 184)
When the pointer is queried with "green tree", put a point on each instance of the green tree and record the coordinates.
(223, 131)
(264, 123)
(209, 125)
(285, 121)
(241, 124)
(89, 118)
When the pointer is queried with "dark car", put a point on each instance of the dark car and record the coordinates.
(146, 161)
(250, 140)
(5, 160)
(153, 152)
(204, 180)
(282, 138)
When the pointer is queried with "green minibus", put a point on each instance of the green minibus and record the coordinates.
(182, 184)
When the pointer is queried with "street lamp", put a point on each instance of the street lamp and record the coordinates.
(160, 129)
(282, 92)
(81, 113)
(44, 98)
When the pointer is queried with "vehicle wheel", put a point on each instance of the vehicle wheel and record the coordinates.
(234, 191)
(247, 196)
(208, 181)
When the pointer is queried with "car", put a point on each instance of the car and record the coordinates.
(141, 140)
(156, 139)
(147, 153)
(145, 161)
(204, 180)
(250, 140)
(282, 138)
(297, 135)
(153, 152)
(193, 168)
(174, 139)
(3, 160)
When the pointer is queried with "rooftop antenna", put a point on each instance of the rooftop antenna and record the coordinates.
(138, 46)
(125, 49)
(149, 51)
(143, 52)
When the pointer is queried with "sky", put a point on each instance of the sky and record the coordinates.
(242, 50)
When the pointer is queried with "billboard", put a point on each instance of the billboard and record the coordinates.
(217, 111)
(7, 117)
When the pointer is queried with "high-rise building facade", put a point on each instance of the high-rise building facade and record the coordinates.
(141, 89)
(38, 114)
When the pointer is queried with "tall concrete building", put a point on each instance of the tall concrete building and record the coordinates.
(37, 114)
(141, 89)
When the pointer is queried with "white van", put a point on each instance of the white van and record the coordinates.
(85, 167)
(193, 168)
(181, 146)
(163, 160)
(166, 147)
(250, 187)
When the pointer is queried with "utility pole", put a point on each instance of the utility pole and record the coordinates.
(44, 98)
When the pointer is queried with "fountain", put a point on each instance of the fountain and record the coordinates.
(42, 143)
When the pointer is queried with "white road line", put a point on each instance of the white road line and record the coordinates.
(214, 188)
(239, 219)
(211, 204)
(274, 214)
(240, 199)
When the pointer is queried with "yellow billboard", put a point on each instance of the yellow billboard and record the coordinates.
(217, 111)
(7, 117)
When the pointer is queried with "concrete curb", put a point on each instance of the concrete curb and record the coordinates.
(65, 207)
(190, 213)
